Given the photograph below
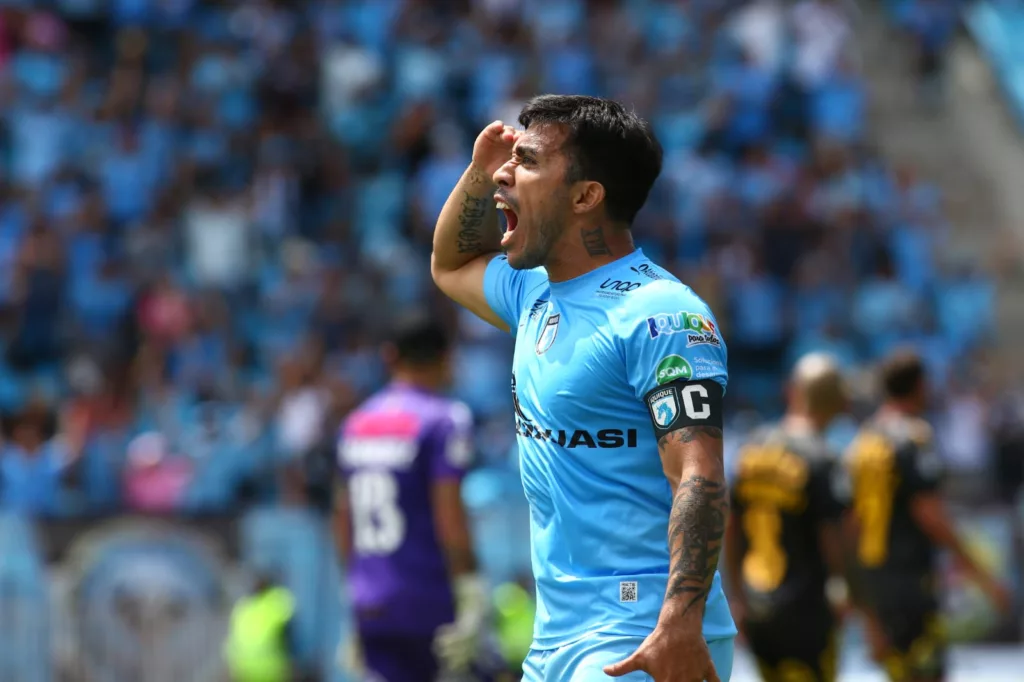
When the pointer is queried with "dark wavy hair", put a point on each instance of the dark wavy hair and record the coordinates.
(606, 143)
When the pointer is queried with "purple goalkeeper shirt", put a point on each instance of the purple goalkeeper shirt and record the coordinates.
(391, 450)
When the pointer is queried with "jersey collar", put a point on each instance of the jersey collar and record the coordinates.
(589, 278)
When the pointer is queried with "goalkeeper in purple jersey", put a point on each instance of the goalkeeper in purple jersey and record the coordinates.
(418, 601)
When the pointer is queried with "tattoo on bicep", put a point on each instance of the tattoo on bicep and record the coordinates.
(595, 243)
(695, 533)
(471, 223)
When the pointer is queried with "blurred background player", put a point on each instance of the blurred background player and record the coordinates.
(898, 524)
(418, 602)
(261, 642)
(784, 543)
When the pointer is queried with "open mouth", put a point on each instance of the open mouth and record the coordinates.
(511, 219)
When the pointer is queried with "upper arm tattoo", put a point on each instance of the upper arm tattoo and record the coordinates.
(471, 223)
(697, 521)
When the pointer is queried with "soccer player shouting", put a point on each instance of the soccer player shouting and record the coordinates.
(607, 344)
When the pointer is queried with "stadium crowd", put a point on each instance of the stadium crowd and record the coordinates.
(210, 210)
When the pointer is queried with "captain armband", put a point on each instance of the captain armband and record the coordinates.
(680, 403)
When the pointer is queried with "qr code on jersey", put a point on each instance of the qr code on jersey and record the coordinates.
(627, 591)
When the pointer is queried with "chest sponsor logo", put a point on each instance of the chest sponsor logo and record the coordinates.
(646, 270)
(664, 407)
(671, 368)
(570, 438)
(548, 333)
(700, 330)
(520, 415)
(615, 288)
(600, 439)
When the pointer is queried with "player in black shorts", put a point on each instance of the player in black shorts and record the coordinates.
(784, 540)
(898, 524)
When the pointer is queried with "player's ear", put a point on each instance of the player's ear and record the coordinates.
(586, 196)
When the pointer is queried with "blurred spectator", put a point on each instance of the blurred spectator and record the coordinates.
(931, 25)
(209, 210)
(301, 409)
(822, 31)
(1007, 423)
(964, 428)
(154, 480)
(34, 466)
(39, 282)
(218, 238)
(760, 27)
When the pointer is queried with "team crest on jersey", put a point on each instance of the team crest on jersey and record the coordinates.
(664, 407)
(548, 333)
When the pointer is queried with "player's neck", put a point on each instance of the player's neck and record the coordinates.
(420, 380)
(898, 408)
(585, 248)
(798, 422)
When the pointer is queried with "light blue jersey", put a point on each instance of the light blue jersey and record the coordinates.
(589, 352)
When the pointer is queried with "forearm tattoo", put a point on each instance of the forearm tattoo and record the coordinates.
(696, 528)
(595, 243)
(476, 176)
(471, 223)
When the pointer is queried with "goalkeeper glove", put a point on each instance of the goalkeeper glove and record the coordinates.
(349, 655)
(455, 644)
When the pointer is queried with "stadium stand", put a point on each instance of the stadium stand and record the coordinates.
(996, 27)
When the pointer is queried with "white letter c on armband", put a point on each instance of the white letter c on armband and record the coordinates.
(691, 410)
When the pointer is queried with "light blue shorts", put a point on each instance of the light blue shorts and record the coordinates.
(584, 660)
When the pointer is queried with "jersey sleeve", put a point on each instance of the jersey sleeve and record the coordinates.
(450, 444)
(676, 359)
(921, 468)
(508, 290)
